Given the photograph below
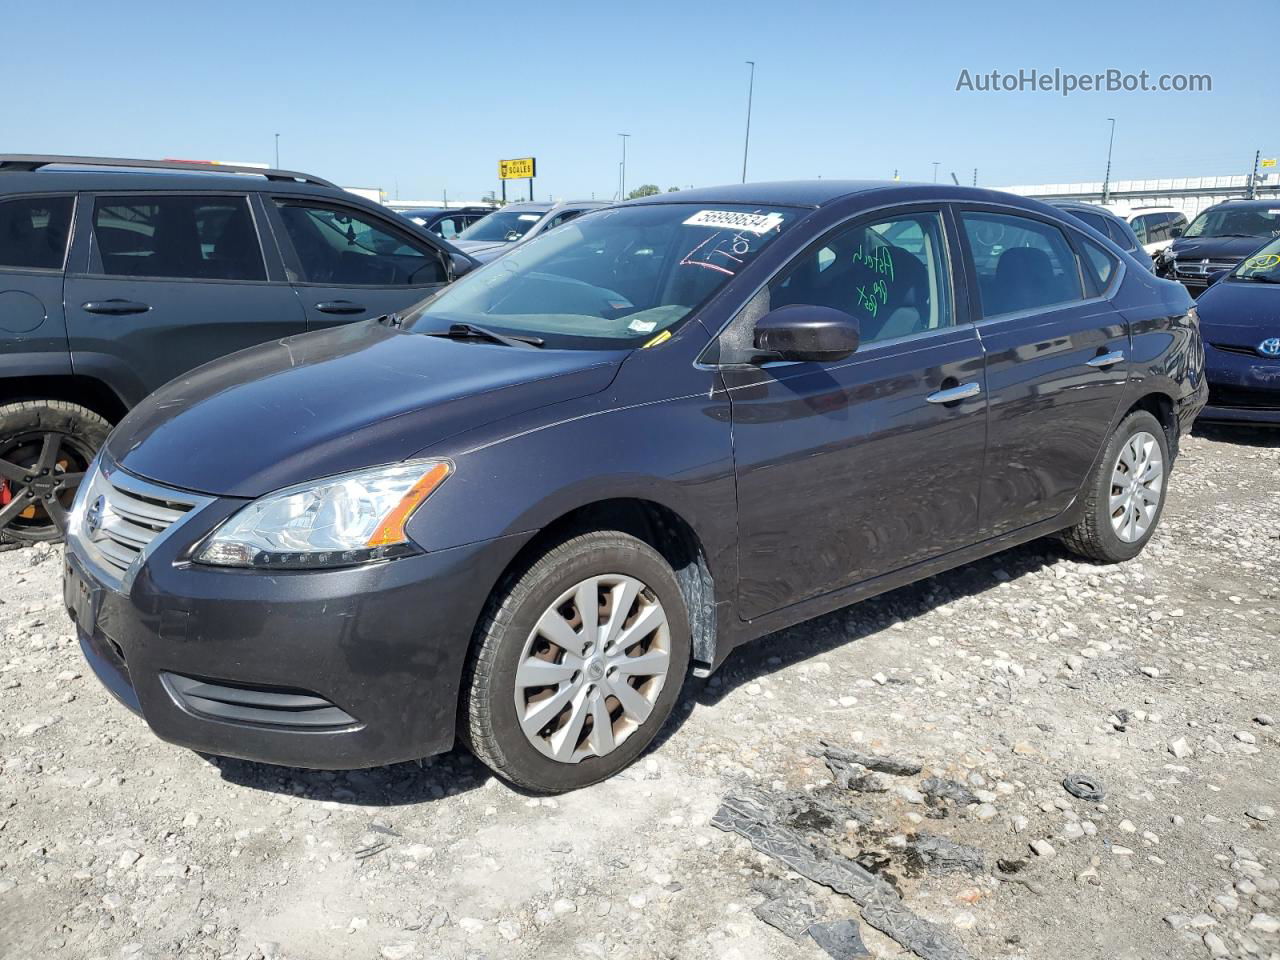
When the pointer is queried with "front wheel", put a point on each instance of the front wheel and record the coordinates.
(45, 448)
(577, 664)
(1126, 494)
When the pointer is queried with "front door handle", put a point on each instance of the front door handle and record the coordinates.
(340, 306)
(1107, 359)
(964, 391)
(115, 308)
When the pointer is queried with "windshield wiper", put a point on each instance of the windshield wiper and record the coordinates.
(470, 331)
(1259, 278)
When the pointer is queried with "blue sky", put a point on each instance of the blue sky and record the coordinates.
(426, 97)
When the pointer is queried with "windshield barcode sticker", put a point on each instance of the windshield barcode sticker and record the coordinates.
(758, 223)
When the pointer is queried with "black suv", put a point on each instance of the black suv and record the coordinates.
(115, 281)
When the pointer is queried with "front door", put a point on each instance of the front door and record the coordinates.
(350, 264)
(1057, 361)
(173, 281)
(853, 469)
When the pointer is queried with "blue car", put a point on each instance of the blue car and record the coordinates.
(1240, 324)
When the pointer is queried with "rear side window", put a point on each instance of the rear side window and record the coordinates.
(1122, 239)
(338, 246)
(1095, 220)
(177, 237)
(1100, 264)
(1022, 264)
(33, 232)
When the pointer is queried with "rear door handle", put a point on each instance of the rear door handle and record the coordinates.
(340, 306)
(115, 308)
(1107, 359)
(964, 391)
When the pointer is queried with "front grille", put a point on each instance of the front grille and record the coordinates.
(238, 703)
(1189, 269)
(1244, 398)
(121, 517)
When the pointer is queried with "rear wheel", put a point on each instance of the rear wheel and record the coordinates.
(1126, 494)
(577, 664)
(45, 449)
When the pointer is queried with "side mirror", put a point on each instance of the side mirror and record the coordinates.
(1216, 276)
(461, 265)
(800, 331)
(1176, 232)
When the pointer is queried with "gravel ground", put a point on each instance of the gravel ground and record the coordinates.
(1160, 678)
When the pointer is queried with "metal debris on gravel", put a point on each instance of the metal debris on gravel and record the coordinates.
(942, 789)
(940, 855)
(753, 814)
(890, 765)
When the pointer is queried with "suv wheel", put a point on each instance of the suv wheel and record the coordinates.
(45, 448)
(577, 664)
(1126, 493)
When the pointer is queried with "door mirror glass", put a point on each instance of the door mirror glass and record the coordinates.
(802, 331)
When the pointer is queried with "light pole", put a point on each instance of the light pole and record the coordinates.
(277, 151)
(1106, 180)
(935, 171)
(746, 142)
(622, 186)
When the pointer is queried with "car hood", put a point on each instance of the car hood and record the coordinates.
(1216, 248)
(324, 403)
(478, 246)
(1238, 313)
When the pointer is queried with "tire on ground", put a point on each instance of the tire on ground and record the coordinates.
(490, 725)
(85, 427)
(1093, 537)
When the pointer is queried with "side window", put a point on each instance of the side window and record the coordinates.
(1101, 264)
(1022, 264)
(338, 246)
(1177, 222)
(33, 232)
(177, 237)
(449, 227)
(563, 217)
(1117, 233)
(1095, 220)
(1140, 226)
(892, 274)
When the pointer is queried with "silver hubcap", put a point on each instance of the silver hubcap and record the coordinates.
(1137, 482)
(592, 668)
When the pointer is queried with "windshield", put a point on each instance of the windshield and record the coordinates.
(1262, 264)
(502, 226)
(1236, 222)
(611, 279)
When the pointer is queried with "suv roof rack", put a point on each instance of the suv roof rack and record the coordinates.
(26, 162)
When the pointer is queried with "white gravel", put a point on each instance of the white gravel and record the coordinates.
(1159, 678)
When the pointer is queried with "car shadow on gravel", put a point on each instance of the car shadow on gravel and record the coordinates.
(812, 638)
(399, 784)
(1242, 434)
(458, 772)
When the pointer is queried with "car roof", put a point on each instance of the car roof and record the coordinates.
(531, 206)
(1086, 207)
(1272, 204)
(57, 180)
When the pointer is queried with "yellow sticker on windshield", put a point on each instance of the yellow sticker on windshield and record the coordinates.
(663, 337)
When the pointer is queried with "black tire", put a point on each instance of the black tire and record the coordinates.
(33, 503)
(1094, 537)
(490, 724)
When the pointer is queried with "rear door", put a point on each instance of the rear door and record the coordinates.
(34, 232)
(856, 468)
(351, 264)
(171, 281)
(1057, 360)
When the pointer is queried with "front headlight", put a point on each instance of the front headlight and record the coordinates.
(336, 522)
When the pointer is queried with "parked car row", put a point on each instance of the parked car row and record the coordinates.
(519, 503)
(518, 223)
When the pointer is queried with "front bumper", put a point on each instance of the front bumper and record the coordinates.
(328, 669)
(1243, 388)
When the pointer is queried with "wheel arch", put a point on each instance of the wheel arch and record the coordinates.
(1160, 406)
(88, 392)
(662, 528)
